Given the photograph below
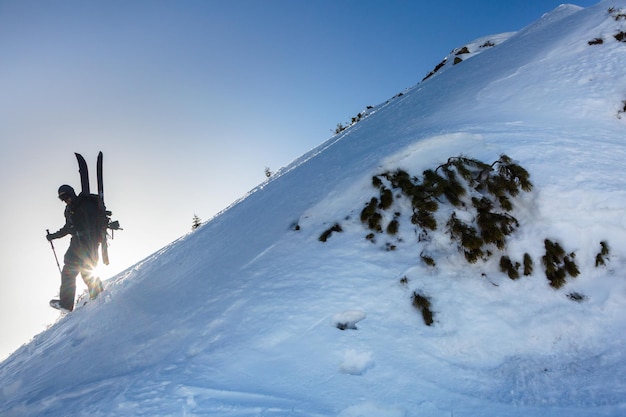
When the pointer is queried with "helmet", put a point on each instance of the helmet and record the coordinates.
(66, 190)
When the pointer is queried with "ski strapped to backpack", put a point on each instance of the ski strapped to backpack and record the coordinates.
(104, 222)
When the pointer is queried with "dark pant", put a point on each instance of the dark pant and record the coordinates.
(81, 257)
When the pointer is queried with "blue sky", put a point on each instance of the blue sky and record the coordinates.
(189, 101)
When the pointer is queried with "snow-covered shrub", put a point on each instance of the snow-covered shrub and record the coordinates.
(392, 227)
(335, 228)
(576, 296)
(617, 14)
(464, 183)
(386, 198)
(468, 238)
(558, 264)
(422, 303)
(506, 265)
(528, 265)
(348, 319)
(428, 260)
(510, 179)
(436, 69)
(340, 126)
(603, 256)
(369, 210)
(494, 227)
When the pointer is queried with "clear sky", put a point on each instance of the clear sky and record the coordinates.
(189, 101)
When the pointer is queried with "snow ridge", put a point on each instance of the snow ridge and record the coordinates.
(252, 315)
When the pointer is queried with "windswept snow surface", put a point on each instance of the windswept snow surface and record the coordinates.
(239, 318)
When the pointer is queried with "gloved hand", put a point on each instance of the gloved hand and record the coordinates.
(51, 236)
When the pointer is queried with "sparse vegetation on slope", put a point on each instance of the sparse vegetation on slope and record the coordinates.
(468, 185)
(617, 15)
(470, 201)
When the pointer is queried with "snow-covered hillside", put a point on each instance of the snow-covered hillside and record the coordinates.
(242, 316)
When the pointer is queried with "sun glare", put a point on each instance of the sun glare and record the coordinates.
(97, 271)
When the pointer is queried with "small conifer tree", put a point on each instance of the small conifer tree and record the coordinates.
(196, 222)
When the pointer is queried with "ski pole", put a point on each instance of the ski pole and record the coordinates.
(55, 253)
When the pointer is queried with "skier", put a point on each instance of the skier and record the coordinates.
(82, 222)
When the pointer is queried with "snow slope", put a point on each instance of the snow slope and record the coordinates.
(239, 318)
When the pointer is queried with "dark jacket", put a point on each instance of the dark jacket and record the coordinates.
(81, 218)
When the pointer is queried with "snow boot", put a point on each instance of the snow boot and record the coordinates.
(57, 304)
